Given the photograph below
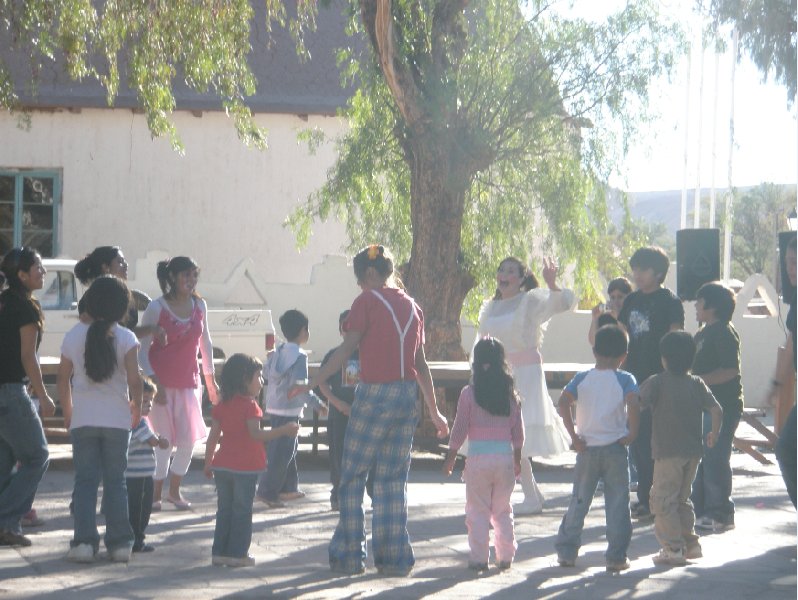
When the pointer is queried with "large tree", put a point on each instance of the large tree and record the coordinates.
(485, 129)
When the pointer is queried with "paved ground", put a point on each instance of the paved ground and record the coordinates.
(757, 559)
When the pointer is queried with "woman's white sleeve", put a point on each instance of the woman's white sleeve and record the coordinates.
(206, 345)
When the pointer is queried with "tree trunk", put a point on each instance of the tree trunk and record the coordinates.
(436, 277)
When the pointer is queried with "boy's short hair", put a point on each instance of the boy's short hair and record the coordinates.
(606, 319)
(678, 350)
(611, 342)
(148, 385)
(719, 298)
(292, 322)
(622, 284)
(651, 257)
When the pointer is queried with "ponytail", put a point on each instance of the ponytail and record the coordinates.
(107, 302)
(91, 266)
(100, 354)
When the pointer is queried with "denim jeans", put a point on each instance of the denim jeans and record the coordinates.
(139, 506)
(281, 474)
(235, 492)
(609, 463)
(712, 487)
(101, 452)
(21, 440)
(785, 454)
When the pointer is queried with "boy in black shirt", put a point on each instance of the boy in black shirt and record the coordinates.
(717, 362)
(647, 314)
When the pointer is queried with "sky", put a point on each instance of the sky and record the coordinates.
(765, 130)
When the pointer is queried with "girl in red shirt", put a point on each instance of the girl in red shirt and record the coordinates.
(388, 328)
(241, 458)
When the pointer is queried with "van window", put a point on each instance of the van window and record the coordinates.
(58, 291)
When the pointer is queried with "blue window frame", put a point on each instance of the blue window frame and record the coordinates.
(29, 206)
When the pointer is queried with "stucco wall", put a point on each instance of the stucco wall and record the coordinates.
(218, 203)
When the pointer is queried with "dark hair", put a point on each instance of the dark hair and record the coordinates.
(292, 322)
(237, 372)
(341, 318)
(606, 319)
(168, 270)
(91, 266)
(376, 256)
(611, 341)
(107, 301)
(678, 350)
(148, 385)
(494, 389)
(528, 280)
(16, 260)
(651, 257)
(622, 284)
(719, 298)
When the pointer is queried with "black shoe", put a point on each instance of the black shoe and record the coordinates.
(144, 548)
(478, 567)
(394, 571)
(9, 538)
(339, 569)
(642, 513)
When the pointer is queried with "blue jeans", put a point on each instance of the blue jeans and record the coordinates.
(281, 474)
(378, 441)
(609, 463)
(101, 452)
(711, 495)
(21, 440)
(235, 492)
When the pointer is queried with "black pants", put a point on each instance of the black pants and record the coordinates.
(785, 454)
(643, 460)
(336, 432)
(139, 503)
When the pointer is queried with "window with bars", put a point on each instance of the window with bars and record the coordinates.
(29, 203)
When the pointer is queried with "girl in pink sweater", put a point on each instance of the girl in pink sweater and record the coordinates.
(489, 414)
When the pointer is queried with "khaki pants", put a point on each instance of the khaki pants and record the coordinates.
(670, 502)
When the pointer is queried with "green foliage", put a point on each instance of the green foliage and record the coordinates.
(540, 108)
(154, 43)
(767, 30)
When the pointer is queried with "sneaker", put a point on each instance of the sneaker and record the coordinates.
(566, 562)
(667, 556)
(270, 503)
(144, 548)
(120, 554)
(241, 561)
(292, 495)
(219, 561)
(9, 538)
(706, 523)
(503, 565)
(82, 553)
(642, 513)
(31, 519)
(340, 569)
(693, 551)
(527, 508)
(617, 567)
(387, 571)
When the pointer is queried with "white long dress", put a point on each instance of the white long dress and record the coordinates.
(519, 323)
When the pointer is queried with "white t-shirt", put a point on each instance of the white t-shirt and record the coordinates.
(601, 404)
(102, 404)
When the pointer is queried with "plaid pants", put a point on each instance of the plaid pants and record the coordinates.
(378, 439)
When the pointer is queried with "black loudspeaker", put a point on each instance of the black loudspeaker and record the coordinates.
(787, 288)
(697, 260)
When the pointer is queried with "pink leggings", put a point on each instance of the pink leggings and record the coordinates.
(490, 480)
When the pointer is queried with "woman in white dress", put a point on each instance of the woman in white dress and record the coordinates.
(517, 315)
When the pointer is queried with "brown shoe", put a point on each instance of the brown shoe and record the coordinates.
(9, 538)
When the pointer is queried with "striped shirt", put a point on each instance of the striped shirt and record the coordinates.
(140, 455)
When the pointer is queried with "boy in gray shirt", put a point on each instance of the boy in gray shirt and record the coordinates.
(677, 400)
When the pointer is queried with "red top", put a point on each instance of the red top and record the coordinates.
(380, 358)
(238, 451)
(175, 365)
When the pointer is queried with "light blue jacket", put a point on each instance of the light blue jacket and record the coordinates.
(284, 368)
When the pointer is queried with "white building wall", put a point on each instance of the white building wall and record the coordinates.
(219, 202)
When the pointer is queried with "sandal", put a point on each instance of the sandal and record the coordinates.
(179, 503)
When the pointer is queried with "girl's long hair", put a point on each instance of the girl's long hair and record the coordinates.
(168, 270)
(107, 302)
(237, 372)
(16, 260)
(494, 389)
(91, 266)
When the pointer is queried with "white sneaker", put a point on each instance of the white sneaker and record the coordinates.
(528, 508)
(82, 553)
(693, 551)
(243, 561)
(709, 524)
(119, 554)
(667, 556)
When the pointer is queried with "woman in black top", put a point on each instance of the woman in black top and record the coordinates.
(21, 434)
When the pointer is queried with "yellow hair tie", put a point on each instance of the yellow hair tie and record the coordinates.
(373, 251)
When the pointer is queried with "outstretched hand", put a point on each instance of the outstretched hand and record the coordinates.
(550, 270)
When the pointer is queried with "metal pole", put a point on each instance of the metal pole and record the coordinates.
(727, 226)
(683, 214)
(697, 197)
(714, 144)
